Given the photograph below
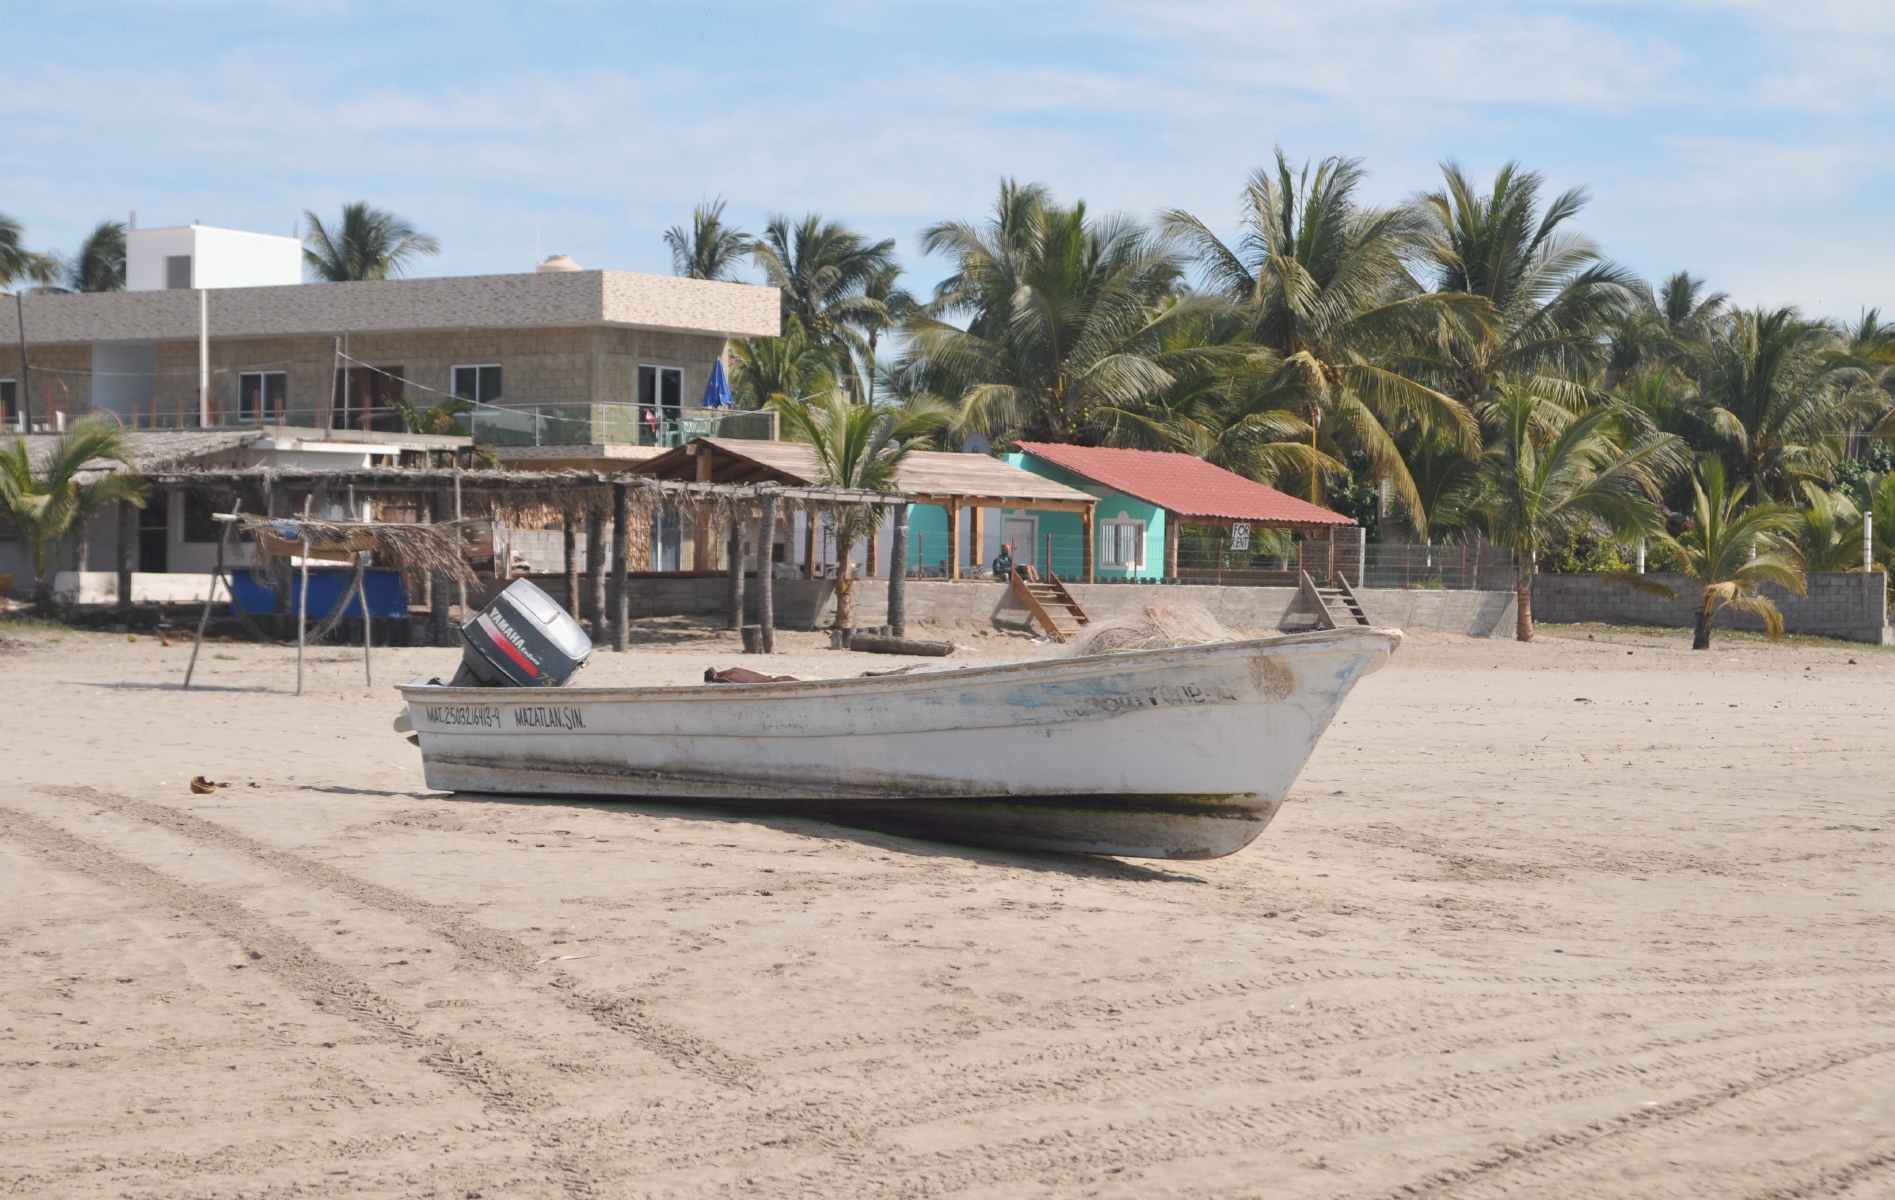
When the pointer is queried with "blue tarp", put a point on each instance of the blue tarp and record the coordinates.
(717, 388)
(386, 596)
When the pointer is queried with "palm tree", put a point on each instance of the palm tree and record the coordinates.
(442, 418)
(1780, 393)
(367, 243)
(1726, 554)
(1652, 330)
(1320, 282)
(1550, 288)
(858, 446)
(1064, 320)
(823, 270)
(884, 306)
(54, 499)
(709, 249)
(1550, 474)
(100, 264)
(17, 262)
(1826, 533)
(790, 366)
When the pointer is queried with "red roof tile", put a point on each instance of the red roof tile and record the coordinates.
(1183, 484)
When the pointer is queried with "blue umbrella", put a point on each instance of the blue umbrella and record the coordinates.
(717, 391)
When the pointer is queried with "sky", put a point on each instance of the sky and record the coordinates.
(1746, 142)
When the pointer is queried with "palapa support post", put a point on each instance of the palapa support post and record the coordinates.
(809, 542)
(621, 522)
(570, 540)
(302, 602)
(1086, 547)
(438, 594)
(766, 573)
(127, 552)
(1171, 544)
(210, 595)
(954, 539)
(898, 572)
(368, 624)
(977, 539)
(460, 585)
(736, 561)
(596, 567)
(873, 567)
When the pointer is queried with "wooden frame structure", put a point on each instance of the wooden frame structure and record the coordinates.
(954, 482)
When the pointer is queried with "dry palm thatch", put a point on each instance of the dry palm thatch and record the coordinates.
(427, 549)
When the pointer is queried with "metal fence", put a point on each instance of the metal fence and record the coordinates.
(490, 424)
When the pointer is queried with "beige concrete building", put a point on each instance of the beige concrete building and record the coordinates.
(555, 357)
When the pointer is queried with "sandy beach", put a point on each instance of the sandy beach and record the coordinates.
(1597, 916)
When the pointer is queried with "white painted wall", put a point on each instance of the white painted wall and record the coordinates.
(220, 258)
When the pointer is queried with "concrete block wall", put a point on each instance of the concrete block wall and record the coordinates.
(1850, 605)
(811, 604)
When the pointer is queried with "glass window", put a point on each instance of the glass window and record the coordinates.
(660, 404)
(177, 272)
(481, 384)
(198, 525)
(9, 400)
(1122, 544)
(261, 395)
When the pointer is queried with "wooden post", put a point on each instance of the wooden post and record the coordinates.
(1086, 550)
(977, 539)
(596, 571)
(368, 627)
(1171, 544)
(570, 539)
(873, 567)
(954, 539)
(809, 543)
(302, 603)
(766, 573)
(127, 552)
(898, 572)
(438, 594)
(700, 517)
(736, 556)
(621, 526)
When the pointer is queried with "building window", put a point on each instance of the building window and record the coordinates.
(177, 272)
(480, 384)
(1122, 544)
(660, 402)
(9, 401)
(261, 395)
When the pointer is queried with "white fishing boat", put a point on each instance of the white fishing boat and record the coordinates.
(1174, 753)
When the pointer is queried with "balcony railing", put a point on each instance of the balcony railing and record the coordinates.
(490, 424)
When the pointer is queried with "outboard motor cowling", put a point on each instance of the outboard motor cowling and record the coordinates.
(522, 639)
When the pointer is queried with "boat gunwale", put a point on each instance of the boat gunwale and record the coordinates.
(700, 692)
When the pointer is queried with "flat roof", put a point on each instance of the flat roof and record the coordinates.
(559, 298)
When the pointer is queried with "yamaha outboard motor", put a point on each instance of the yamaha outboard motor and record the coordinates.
(523, 639)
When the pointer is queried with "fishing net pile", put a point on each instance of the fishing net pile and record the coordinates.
(1159, 627)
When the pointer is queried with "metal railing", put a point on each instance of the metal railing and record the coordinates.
(491, 424)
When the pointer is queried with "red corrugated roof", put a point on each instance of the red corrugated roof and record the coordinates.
(1183, 484)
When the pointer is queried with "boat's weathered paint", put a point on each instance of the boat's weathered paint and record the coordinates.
(1179, 753)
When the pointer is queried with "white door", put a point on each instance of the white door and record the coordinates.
(1023, 534)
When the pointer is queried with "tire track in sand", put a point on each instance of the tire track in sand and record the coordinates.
(294, 962)
(321, 981)
(625, 1015)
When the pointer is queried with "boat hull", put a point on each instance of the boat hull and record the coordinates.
(1178, 753)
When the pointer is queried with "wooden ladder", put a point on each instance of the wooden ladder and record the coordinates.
(1049, 602)
(1334, 605)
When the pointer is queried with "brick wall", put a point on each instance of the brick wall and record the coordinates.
(1849, 605)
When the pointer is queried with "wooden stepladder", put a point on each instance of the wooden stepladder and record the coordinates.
(1335, 606)
(1049, 602)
